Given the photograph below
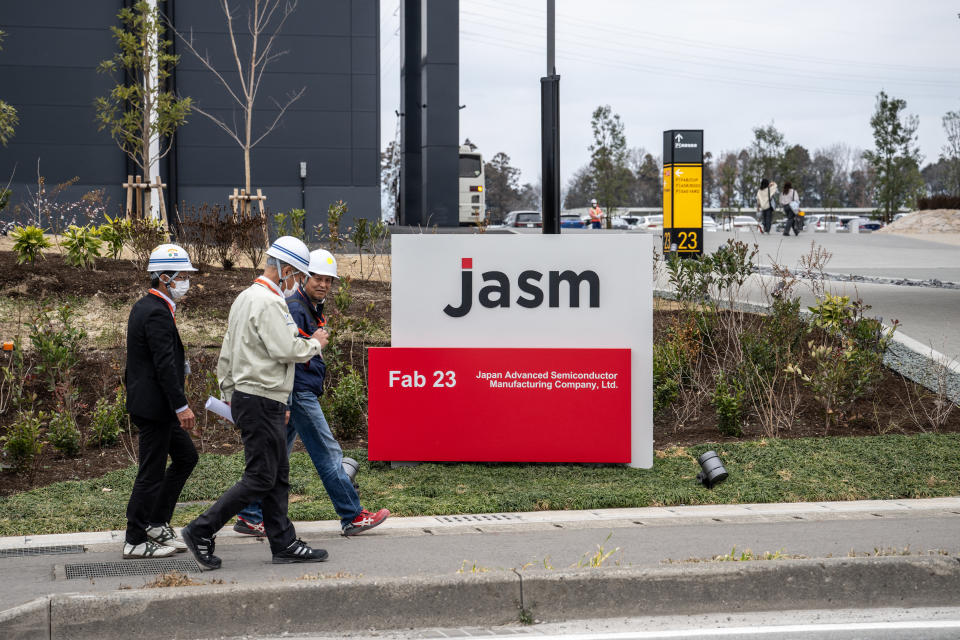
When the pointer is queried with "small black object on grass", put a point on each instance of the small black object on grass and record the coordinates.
(713, 472)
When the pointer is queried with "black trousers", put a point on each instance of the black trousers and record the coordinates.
(766, 217)
(263, 428)
(791, 223)
(157, 487)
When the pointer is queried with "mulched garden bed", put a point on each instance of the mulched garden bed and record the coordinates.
(119, 282)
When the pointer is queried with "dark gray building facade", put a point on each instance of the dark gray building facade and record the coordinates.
(48, 72)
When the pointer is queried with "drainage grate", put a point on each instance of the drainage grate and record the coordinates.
(41, 551)
(483, 517)
(130, 568)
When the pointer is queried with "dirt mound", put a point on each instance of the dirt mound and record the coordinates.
(923, 222)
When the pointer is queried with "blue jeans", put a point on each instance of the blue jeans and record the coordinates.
(306, 419)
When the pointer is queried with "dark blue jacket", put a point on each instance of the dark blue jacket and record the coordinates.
(309, 375)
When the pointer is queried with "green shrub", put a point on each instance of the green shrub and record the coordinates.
(673, 362)
(291, 224)
(667, 368)
(109, 419)
(847, 354)
(115, 232)
(778, 343)
(665, 393)
(727, 400)
(334, 215)
(29, 243)
(83, 245)
(22, 444)
(64, 434)
(343, 296)
(345, 405)
(56, 342)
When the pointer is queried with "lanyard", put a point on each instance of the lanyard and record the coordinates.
(321, 321)
(169, 306)
(263, 282)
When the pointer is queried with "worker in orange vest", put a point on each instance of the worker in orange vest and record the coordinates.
(596, 214)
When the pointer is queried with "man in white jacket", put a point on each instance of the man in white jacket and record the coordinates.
(256, 370)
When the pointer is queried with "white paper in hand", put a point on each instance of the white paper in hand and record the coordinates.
(219, 407)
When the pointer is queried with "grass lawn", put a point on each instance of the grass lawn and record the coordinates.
(800, 470)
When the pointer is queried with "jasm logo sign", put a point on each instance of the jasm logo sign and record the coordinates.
(496, 291)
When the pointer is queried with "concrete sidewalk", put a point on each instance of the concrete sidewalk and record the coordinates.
(477, 570)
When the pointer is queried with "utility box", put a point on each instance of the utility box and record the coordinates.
(683, 192)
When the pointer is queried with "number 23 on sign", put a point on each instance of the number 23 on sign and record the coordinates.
(686, 240)
(416, 379)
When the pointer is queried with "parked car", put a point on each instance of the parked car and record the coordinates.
(523, 219)
(571, 221)
(709, 224)
(652, 223)
(897, 216)
(634, 221)
(617, 222)
(810, 220)
(864, 224)
(823, 221)
(742, 223)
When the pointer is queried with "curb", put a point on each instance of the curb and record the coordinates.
(489, 599)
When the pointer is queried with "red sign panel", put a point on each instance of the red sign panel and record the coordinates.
(499, 405)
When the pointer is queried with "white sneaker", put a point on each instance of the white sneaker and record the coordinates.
(148, 549)
(164, 535)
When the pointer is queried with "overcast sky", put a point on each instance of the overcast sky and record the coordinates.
(812, 68)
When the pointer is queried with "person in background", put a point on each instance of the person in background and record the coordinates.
(765, 203)
(790, 201)
(256, 371)
(154, 379)
(306, 416)
(596, 214)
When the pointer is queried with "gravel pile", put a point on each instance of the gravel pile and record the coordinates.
(931, 221)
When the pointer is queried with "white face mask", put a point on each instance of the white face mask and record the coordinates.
(178, 288)
(289, 292)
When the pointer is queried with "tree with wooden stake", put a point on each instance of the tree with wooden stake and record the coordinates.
(139, 112)
(265, 19)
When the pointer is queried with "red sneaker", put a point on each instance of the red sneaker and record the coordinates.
(365, 521)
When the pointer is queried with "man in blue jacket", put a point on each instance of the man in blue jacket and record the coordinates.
(306, 416)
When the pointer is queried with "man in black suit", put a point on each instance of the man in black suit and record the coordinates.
(158, 406)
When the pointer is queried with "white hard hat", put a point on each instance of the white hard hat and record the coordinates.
(169, 257)
(594, 201)
(322, 263)
(292, 251)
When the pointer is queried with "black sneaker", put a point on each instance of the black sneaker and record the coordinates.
(201, 548)
(298, 551)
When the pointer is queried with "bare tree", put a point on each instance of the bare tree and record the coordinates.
(265, 19)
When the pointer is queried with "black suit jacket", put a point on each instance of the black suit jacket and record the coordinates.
(155, 362)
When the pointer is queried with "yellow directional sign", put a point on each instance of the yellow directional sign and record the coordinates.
(683, 192)
(687, 195)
